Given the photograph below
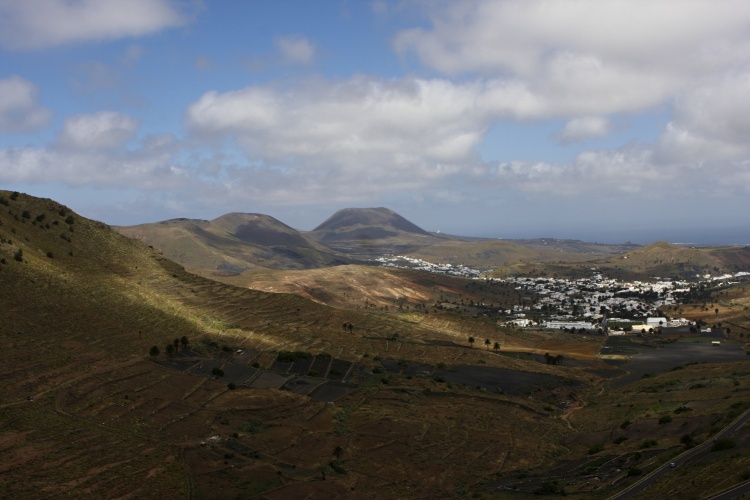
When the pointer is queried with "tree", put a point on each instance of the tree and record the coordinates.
(471, 341)
(497, 346)
(169, 349)
(184, 341)
(154, 351)
(487, 343)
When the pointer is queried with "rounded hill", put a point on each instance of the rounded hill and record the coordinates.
(365, 223)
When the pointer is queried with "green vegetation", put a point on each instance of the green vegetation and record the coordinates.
(292, 356)
(253, 426)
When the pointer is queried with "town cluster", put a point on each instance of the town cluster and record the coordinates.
(586, 303)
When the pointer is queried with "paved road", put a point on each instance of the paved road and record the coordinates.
(681, 459)
(733, 492)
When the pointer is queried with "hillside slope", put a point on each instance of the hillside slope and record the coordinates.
(87, 411)
(659, 260)
(233, 243)
(81, 307)
(365, 224)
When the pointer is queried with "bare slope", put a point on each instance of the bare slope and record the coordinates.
(233, 243)
(660, 259)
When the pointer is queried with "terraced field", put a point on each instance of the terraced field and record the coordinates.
(398, 405)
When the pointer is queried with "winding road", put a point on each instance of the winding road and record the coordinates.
(682, 458)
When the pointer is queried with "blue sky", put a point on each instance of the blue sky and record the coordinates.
(602, 120)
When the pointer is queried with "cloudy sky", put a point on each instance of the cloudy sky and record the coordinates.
(602, 120)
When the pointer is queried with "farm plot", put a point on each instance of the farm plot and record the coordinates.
(302, 385)
(331, 392)
(498, 379)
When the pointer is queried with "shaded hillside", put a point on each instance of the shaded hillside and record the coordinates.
(233, 243)
(365, 224)
(367, 233)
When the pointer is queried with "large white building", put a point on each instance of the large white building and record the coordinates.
(559, 325)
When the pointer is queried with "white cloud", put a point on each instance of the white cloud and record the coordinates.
(711, 122)
(584, 57)
(295, 50)
(20, 110)
(520, 36)
(361, 128)
(586, 127)
(103, 130)
(144, 170)
(36, 24)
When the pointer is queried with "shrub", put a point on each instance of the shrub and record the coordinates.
(154, 351)
(292, 356)
(337, 467)
(688, 441)
(18, 255)
(665, 419)
(596, 448)
(252, 426)
(723, 444)
(620, 440)
(50, 255)
(649, 443)
(625, 424)
(634, 471)
(551, 488)
(231, 386)
(218, 372)
(14, 195)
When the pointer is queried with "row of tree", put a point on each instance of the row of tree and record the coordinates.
(171, 348)
(487, 343)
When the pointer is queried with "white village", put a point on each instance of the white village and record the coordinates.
(597, 303)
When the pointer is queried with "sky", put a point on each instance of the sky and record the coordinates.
(600, 120)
